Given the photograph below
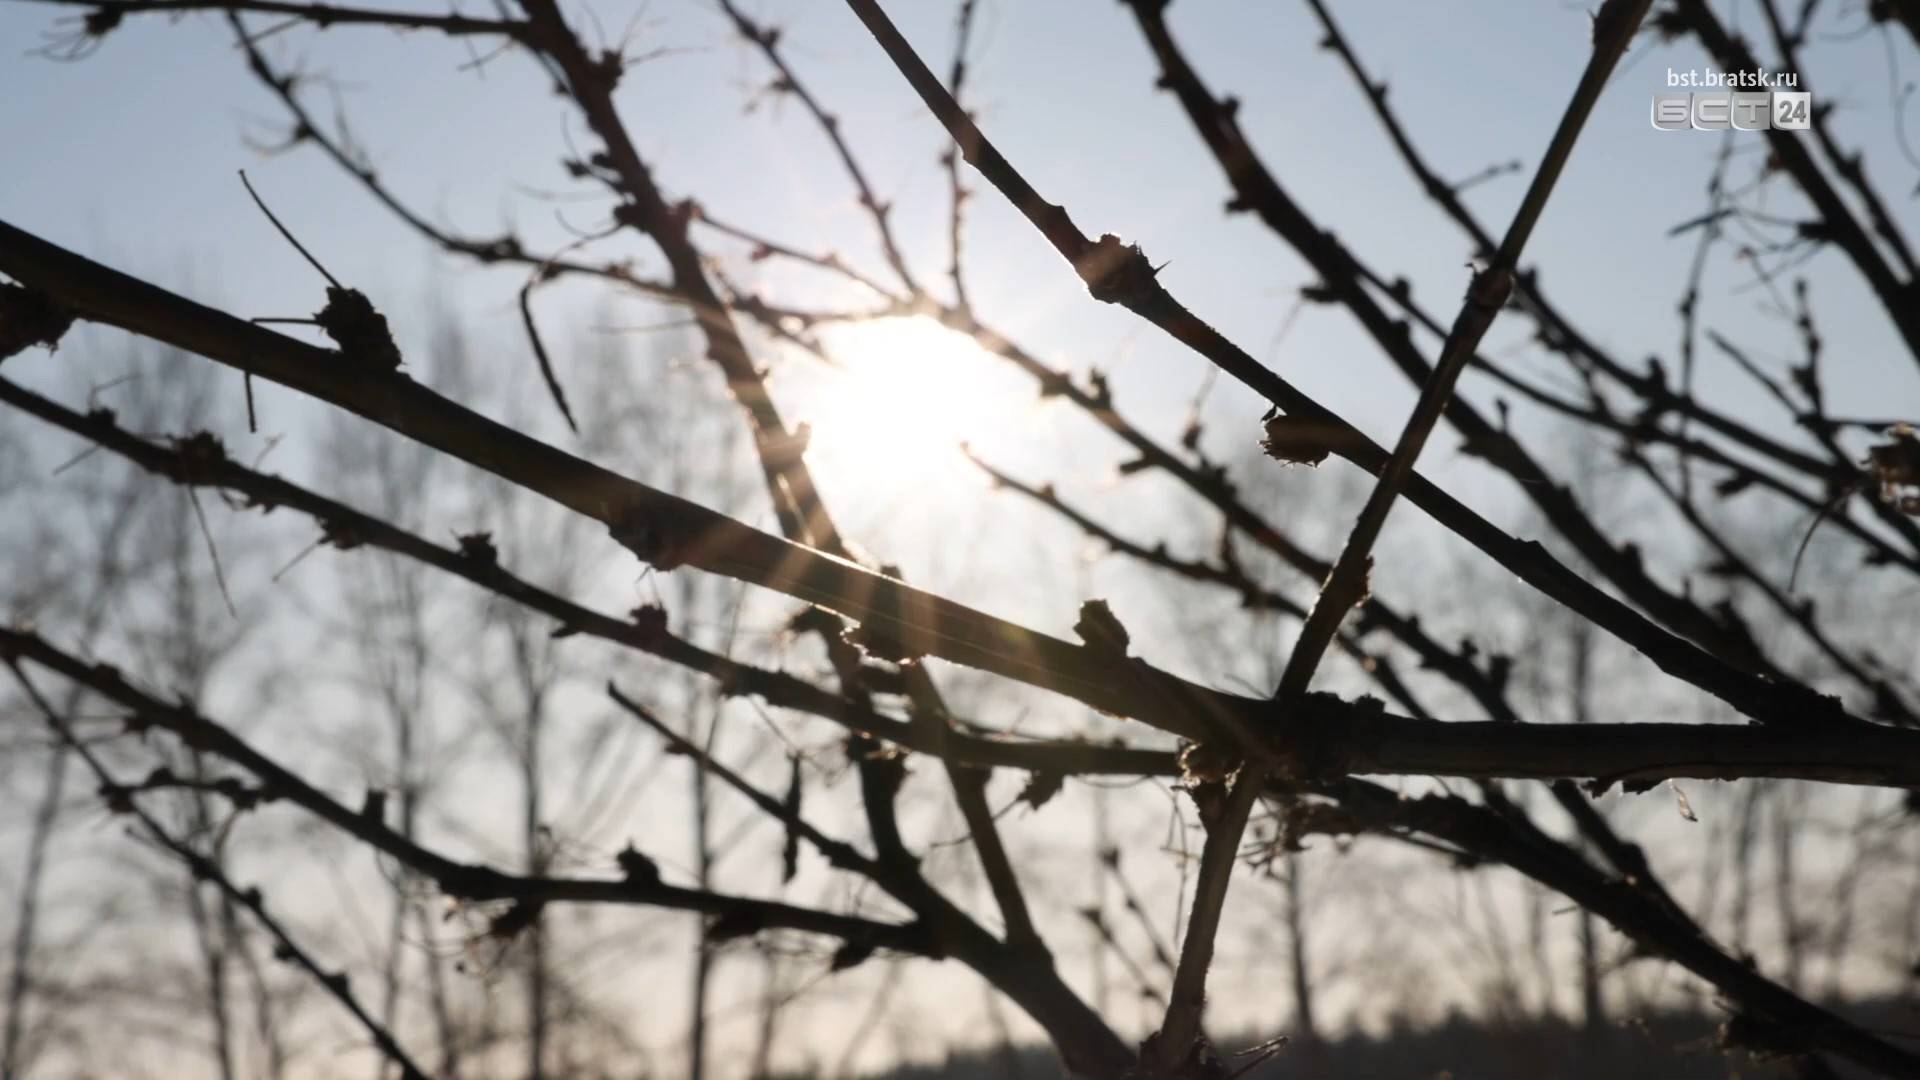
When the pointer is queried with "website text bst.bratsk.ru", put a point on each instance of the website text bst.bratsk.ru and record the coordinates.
(1733, 80)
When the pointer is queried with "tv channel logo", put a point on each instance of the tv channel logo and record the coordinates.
(1721, 110)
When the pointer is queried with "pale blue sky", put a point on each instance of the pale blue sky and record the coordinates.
(130, 154)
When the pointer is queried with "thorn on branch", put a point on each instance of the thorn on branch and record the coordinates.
(651, 620)
(1300, 440)
(650, 535)
(1101, 630)
(361, 332)
(197, 458)
(638, 869)
(605, 70)
(349, 318)
(29, 317)
(883, 644)
(1099, 388)
(514, 921)
(1042, 787)
(102, 21)
(1117, 272)
(478, 547)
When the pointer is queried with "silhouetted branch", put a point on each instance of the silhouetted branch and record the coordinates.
(1022, 973)
(1854, 754)
(767, 40)
(197, 461)
(1850, 167)
(1836, 222)
(1122, 274)
(506, 248)
(462, 881)
(957, 192)
(1295, 758)
(1643, 914)
(120, 799)
(1253, 594)
(104, 15)
(1559, 334)
(1614, 26)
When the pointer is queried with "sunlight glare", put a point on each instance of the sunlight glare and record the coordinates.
(908, 394)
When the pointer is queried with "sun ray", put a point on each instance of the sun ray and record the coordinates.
(909, 393)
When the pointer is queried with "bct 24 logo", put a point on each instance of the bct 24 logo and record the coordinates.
(1718, 110)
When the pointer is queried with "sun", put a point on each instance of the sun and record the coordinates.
(906, 395)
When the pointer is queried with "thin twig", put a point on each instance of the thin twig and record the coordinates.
(284, 231)
(204, 869)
